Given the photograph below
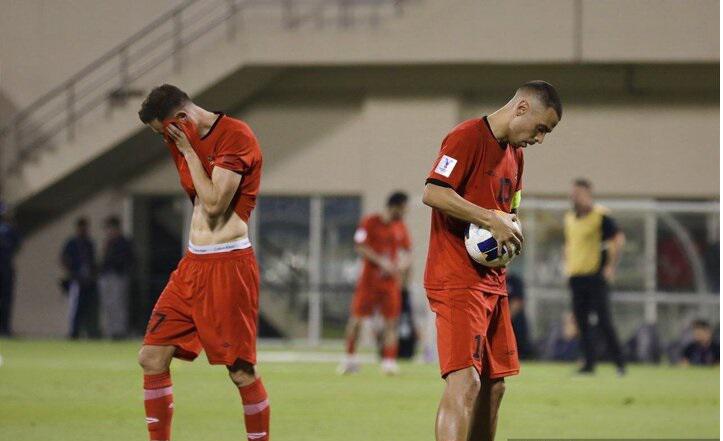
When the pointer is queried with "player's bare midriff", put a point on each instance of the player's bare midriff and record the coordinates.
(207, 230)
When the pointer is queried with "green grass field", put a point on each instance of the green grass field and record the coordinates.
(52, 390)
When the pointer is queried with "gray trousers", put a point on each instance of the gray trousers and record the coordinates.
(114, 304)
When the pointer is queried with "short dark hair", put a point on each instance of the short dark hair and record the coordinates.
(397, 199)
(701, 324)
(546, 93)
(161, 102)
(583, 182)
(112, 221)
(81, 222)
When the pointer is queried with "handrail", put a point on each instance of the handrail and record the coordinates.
(70, 100)
(100, 61)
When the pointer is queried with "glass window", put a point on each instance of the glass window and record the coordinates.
(340, 263)
(284, 225)
(688, 252)
(283, 248)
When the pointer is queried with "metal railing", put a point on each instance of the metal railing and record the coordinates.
(639, 285)
(110, 78)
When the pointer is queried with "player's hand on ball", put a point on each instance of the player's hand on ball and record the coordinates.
(180, 138)
(505, 231)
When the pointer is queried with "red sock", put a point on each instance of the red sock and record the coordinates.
(158, 394)
(257, 412)
(350, 345)
(390, 352)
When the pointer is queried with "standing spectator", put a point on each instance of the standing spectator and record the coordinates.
(702, 350)
(593, 243)
(114, 280)
(9, 244)
(78, 259)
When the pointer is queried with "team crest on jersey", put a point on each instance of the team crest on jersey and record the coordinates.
(445, 166)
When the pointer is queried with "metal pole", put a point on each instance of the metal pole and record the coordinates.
(531, 303)
(71, 111)
(233, 9)
(651, 267)
(577, 31)
(315, 239)
(177, 41)
(345, 14)
(17, 141)
(289, 14)
(123, 69)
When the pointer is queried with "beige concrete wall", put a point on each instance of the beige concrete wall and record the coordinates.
(629, 148)
(370, 144)
(43, 42)
(430, 32)
(650, 30)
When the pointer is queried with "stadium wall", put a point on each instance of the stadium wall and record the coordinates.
(43, 42)
(370, 143)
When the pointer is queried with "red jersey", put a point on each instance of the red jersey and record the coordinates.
(386, 239)
(486, 173)
(229, 144)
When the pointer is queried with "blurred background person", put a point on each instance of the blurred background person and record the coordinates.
(703, 350)
(382, 240)
(593, 243)
(78, 260)
(9, 245)
(114, 280)
(564, 341)
(516, 296)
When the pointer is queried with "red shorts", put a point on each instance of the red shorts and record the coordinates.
(474, 329)
(212, 302)
(368, 298)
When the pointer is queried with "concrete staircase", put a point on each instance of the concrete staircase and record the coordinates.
(77, 140)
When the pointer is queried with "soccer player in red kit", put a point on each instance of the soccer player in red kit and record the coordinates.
(382, 240)
(211, 299)
(477, 178)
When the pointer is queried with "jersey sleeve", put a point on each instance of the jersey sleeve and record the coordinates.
(361, 235)
(455, 160)
(237, 151)
(609, 227)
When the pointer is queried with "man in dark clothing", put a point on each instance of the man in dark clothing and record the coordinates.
(9, 244)
(78, 259)
(593, 244)
(516, 294)
(702, 350)
(114, 280)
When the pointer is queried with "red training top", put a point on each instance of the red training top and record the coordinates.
(229, 144)
(386, 239)
(486, 173)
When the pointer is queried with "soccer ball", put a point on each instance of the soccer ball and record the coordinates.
(482, 248)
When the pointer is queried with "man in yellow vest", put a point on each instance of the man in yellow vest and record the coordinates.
(593, 243)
